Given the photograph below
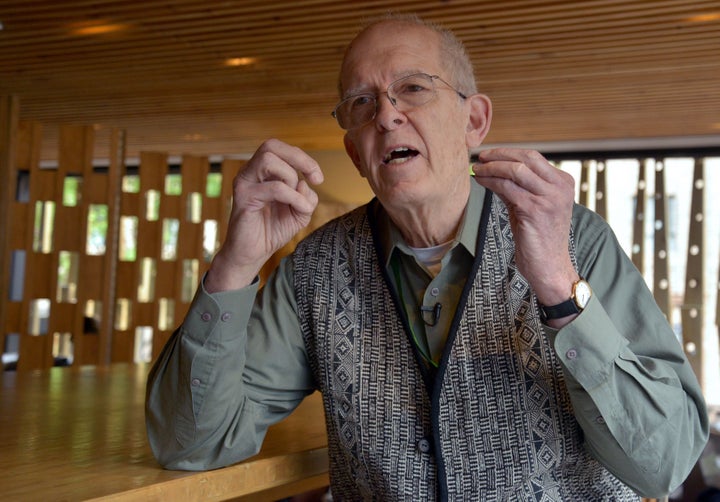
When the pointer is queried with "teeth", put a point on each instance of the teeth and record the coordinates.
(390, 156)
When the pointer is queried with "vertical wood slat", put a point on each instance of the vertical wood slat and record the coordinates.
(661, 281)
(9, 118)
(26, 149)
(34, 351)
(601, 189)
(75, 152)
(638, 244)
(692, 307)
(114, 189)
(584, 197)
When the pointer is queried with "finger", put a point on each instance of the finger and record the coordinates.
(295, 158)
(309, 194)
(267, 166)
(509, 192)
(302, 200)
(532, 159)
(509, 176)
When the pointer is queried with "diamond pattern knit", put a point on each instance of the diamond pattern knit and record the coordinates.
(498, 418)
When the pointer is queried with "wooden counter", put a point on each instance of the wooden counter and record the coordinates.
(79, 434)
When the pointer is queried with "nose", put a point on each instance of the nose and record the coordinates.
(387, 115)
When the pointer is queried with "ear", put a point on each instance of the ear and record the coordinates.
(352, 153)
(479, 120)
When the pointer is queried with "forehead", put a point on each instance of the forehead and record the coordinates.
(389, 50)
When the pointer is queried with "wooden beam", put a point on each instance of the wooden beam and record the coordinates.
(692, 312)
(9, 117)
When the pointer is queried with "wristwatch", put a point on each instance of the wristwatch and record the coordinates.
(581, 293)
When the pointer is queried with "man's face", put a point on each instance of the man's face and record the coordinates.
(419, 155)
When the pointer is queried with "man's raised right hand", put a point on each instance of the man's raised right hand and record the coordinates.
(272, 201)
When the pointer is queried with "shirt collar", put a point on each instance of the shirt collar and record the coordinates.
(391, 238)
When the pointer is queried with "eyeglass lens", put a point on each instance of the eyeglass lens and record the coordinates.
(405, 94)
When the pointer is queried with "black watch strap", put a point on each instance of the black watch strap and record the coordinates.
(563, 309)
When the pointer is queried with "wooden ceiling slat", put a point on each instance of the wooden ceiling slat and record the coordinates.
(556, 70)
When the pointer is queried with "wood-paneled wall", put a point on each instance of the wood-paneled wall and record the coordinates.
(114, 304)
(113, 298)
(41, 226)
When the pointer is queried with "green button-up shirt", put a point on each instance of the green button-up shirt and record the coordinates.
(238, 363)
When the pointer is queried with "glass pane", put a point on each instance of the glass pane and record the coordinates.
(210, 239)
(131, 183)
(11, 351)
(62, 351)
(123, 314)
(39, 317)
(43, 227)
(96, 229)
(171, 227)
(17, 276)
(67, 277)
(71, 190)
(143, 344)
(194, 207)
(92, 317)
(127, 251)
(146, 284)
(213, 186)
(152, 207)
(190, 279)
(22, 189)
(173, 184)
(166, 314)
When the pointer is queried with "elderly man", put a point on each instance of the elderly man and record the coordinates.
(474, 337)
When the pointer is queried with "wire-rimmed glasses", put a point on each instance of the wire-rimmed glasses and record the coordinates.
(404, 93)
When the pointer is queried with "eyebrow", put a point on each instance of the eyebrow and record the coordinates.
(358, 91)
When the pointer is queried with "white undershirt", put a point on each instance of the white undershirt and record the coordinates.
(431, 257)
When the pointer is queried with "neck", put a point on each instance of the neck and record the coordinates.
(430, 223)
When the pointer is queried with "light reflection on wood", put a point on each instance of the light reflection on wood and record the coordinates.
(79, 434)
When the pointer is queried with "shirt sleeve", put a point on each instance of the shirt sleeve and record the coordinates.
(236, 365)
(633, 391)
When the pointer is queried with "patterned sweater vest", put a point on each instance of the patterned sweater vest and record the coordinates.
(496, 423)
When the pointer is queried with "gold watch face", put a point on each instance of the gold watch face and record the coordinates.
(582, 293)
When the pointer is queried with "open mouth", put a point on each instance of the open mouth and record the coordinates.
(399, 155)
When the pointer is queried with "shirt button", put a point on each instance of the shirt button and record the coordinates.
(424, 445)
(225, 317)
(435, 291)
(600, 420)
(571, 354)
(205, 316)
(195, 382)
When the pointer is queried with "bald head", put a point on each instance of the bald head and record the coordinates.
(451, 51)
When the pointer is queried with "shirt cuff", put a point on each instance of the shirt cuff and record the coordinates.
(229, 310)
(589, 345)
